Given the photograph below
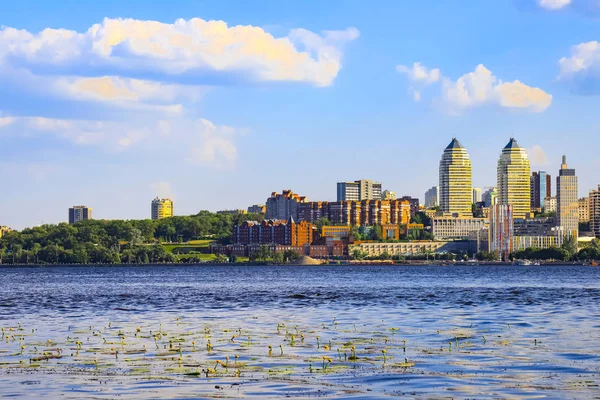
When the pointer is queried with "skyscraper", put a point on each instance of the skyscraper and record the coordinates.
(432, 197)
(567, 201)
(456, 184)
(513, 179)
(594, 200)
(161, 208)
(363, 189)
(476, 195)
(489, 197)
(501, 230)
(79, 213)
(541, 187)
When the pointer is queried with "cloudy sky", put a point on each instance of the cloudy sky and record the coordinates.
(218, 103)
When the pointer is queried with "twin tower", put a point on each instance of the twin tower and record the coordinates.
(456, 180)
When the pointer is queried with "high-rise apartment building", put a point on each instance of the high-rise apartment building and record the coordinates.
(567, 201)
(388, 195)
(584, 209)
(432, 197)
(549, 204)
(501, 230)
(595, 211)
(359, 190)
(477, 195)
(540, 187)
(79, 213)
(456, 185)
(514, 179)
(414, 204)
(161, 208)
(357, 213)
(489, 197)
(283, 206)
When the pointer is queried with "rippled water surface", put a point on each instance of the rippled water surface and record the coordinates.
(351, 332)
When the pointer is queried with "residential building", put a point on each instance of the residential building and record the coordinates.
(390, 231)
(414, 204)
(476, 195)
(374, 249)
(357, 213)
(388, 195)
(336, 231)
(567, 200)
(270, 231)
(540, 188)
(456, 228)
(432, 197)
(539, 226)
(489, 197)
(537, 242)
(456, 187)
(4, 230)
(513, 179)
(161, 208)
(79, 213)
(359, 190)
(233, 212)
(501, 230)
(584, 209)
(595, 211)
(549, 204)
(257, 209)
(283, 206)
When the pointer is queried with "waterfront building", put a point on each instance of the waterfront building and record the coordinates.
(270, 231)
(513, 179)
(537, 242)
(549, 205)
(456, 187)
(363, 189)
(79, 213)
(456, 228)
(283, 206)
(540, 187)
(584, 209)
(257, 209)
(357, 213)
(432, 197)
(161, 208)
(375, 249)
(567, 201)
(501, 230)
(595, 211)
(4, 230)
(388, 195)
(489, 197)
(538, 226)
(477, 195)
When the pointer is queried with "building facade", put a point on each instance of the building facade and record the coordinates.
(477, 195)
(4, 230)
(584, 209)
(357, 213)
(79, 213)
(363, 189)
(456, 228)
(269, 231)
(414, 204)
(594, 199)
(432, 197)
(456, 182)
(283, 206)
(408, 248)
(388, 195)
(161, 208)
(549, 204)
(514, 179)
(501, 230)
(489, 197)
(567, 200)
(540, 187)
(257, 209)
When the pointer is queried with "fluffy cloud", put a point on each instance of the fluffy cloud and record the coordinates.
(187, 50)
(216, 147)
(538, 156)
(478, 88)
(582, 69)
(553, 4)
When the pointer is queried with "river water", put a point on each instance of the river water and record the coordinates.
(336, 331)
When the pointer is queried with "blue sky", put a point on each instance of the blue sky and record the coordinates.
(111, 103)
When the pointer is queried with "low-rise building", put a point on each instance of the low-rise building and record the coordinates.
(233, 212)
(456, 228)
(270, 231)
(375, 249)
(537, 242)
(257, 209)
(335, 231)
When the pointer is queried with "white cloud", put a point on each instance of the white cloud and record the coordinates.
(582, 69)
(187, 49)
(538, 156)
(217, 146)
(553, 4)
(162, 190)
(6, 121)
(478, 88)
(419, 73)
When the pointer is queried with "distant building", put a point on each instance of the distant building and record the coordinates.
(357, 213)
(269, 231)
(549, 205)
(359, 190)
(567, 202)
(489, 197)
(540, 188)
(456, 187)
(537, 242)
(501, 230)
(456, 228)
(388, 195)
(233, 212)
(257, 209)
(79, 213)
(476, 195)
(407, 248)
(283, 206)
(161, 208)
(414, 204)
(539, 226)
(4, 230)
(432, 197)
(514, 179)
(595, 211)
(584, 209)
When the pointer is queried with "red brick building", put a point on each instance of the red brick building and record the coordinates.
(271, 231)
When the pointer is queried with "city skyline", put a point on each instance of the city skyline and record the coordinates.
(64, 120)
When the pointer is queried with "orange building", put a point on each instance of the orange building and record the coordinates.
(357, 213)
(271, 231)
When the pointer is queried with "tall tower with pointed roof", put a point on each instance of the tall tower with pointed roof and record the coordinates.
(456, 180)
(567, 200)
(513, 179)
